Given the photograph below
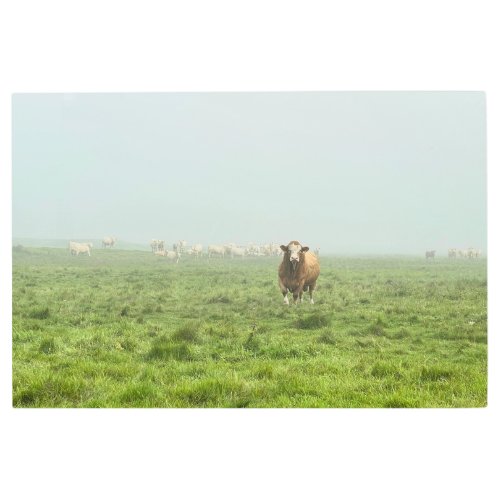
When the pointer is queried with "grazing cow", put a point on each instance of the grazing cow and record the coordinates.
(276, 250)
(472, 253)
(430, 254)
(216, 250)
(452, 253)
(108, 242)
(180, 246)
(154, 245)
(237, 252)
(197, 250)
(160, 253)
(78, 248)
(468, 253)
(254, 249)
(172, 255)
(297, 272)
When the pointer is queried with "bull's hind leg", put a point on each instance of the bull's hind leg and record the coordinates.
(311, 288)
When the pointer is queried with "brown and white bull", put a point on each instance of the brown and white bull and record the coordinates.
(298, 271)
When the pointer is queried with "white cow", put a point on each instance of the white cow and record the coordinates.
(180, 246)
(160, 253)
(172, 255)
(216, 250)
(154, 245)
(157, 245)
(197, 250)
(108, 242)
(254, 249)
(78, 248)
(237, 252)
(267, 249)
(473, 253)
(276, 250)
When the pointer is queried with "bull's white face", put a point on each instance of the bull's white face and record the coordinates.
(293, 251)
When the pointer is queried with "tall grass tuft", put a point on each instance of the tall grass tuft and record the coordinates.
(219, 299)
(327, 338)
(43, 313)
(48, 345)
(188, 332)
(313, 321)
(435, 374)
(377, 328)
(163, 348)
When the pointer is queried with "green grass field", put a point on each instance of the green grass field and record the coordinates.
(128, 329)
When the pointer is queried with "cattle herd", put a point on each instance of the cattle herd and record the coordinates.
(469, 253)
(453, 253)
(78, 248)
(231, 250)
(181, 247)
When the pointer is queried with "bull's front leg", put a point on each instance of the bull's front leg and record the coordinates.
(297, 293)
(284, 291)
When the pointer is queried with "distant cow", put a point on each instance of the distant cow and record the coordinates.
(237, 252)
(108, 242)
(180, 246)
(78, 248)
(298, 271)
(430, 254)
(172, 255)
(157, 245)
(197, 250)
(473, 253)
(276, 250)
(216, 250)
(452, 253)
(254, 249)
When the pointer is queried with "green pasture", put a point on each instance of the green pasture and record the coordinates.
(129, 329)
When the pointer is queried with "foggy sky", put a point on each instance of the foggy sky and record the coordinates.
(362, 172)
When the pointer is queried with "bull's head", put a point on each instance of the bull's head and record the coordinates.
(293, 252)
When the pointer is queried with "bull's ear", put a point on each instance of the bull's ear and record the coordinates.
(305, 249)
(284, 248)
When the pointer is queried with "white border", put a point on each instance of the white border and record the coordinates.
(228, 45)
